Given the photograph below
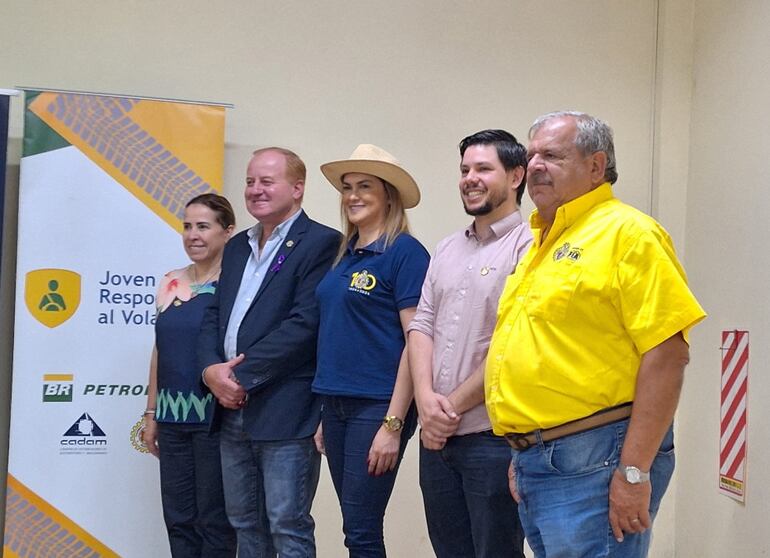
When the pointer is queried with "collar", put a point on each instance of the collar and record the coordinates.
(498, 229)
(571, 211)
(378, 246)
(280, 231)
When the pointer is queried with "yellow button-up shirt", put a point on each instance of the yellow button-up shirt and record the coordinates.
(579, 312)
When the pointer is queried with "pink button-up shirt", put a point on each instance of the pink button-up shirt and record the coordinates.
(458, 306)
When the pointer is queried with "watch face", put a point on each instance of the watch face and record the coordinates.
(633, 476)
(394, 424)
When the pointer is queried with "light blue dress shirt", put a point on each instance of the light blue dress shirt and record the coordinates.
(254, 273)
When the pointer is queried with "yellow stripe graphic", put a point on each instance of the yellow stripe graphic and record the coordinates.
(35, 529)
(58, 377)
(164, 153)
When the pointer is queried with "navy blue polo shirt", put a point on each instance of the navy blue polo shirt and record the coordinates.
(360, 339)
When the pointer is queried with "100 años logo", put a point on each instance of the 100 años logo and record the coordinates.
(362, 282)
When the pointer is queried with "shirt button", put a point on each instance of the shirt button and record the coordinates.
(462, 291)
(470, 267)
(499, 358)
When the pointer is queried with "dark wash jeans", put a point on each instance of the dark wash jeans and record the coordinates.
(191, 491)
(564, 490)
(349, 426)
(468, 506)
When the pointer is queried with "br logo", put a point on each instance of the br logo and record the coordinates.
(57, 387)
(52, 295)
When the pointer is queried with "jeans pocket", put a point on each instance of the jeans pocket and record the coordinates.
(662, 470)
(586, 452)
(667, 445)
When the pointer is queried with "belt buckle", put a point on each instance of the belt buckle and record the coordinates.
(519, 441)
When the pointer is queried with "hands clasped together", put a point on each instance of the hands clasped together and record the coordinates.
(221, 380)
(438, 420)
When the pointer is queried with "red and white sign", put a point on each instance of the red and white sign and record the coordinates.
(732, 427)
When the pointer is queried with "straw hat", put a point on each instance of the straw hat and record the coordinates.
(370, 159)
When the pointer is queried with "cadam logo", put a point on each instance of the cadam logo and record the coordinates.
(57, 388)
(84, 436)
(52, 295)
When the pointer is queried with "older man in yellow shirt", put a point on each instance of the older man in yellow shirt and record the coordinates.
(587, 359)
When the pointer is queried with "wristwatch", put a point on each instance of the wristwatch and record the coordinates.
(634, 475)
(392, 424)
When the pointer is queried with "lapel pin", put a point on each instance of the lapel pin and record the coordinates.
(289, 243)
(277, 265)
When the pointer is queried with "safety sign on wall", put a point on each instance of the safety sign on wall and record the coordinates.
(732, 416)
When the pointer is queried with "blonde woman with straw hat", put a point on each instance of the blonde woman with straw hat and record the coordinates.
(366, 302)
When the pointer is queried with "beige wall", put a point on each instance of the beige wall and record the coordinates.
(727, 222)
(413, 77)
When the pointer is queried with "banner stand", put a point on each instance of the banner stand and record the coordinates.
(5, 105)
(104, 180)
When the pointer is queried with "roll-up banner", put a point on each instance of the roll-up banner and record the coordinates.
(104, 180)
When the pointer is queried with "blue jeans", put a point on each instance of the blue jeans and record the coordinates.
(350, 424)
(191, 491)
(269, 489)
(564, 490)
(468, 506)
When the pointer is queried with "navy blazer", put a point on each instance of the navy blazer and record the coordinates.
(279, 332)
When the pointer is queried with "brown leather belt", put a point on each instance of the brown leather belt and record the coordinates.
(521, 442)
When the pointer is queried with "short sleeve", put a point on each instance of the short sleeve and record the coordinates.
(654, 300)
(425, 316)
(410, 265)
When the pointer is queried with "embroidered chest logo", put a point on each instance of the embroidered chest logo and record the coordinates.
(362, 282)
(567, 251)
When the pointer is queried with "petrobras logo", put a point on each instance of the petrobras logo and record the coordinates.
(84, 436)
(115, 390)
(57, 388)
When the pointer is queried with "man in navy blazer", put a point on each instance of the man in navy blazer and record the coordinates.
(257, 348)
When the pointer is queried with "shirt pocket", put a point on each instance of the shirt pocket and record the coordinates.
(552, 292)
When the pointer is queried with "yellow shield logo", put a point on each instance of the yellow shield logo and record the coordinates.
(52, 295)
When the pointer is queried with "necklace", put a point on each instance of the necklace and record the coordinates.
(196, 287)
